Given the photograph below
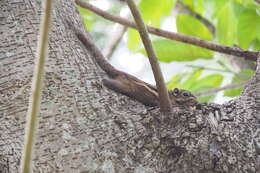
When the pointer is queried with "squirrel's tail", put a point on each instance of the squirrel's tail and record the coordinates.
(99, 57)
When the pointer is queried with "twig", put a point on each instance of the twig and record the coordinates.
(114, 40)
(190, 12)
(228, 87)
(165, 104)
(208, 68)
(250, 55)
(34, 105)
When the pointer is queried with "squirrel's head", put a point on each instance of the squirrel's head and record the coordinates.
(183, 97)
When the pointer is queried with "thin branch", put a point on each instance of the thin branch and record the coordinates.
(190, 12)
(35, 100)
(114, 40)
(228, 87)
(250, 55)
(165, 104)
(209, 68)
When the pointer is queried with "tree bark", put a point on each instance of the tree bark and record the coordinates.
(84, 127)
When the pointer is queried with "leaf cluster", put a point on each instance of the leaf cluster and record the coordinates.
(236, 22)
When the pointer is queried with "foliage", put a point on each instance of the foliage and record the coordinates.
(239, 77)
(236, 22)
(195, 82)
(167, 50)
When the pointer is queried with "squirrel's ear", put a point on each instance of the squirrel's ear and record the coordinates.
(175, 91)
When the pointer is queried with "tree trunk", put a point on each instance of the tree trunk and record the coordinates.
(84, 127)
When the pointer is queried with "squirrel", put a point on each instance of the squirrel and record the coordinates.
(131, 86)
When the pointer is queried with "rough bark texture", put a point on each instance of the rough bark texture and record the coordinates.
(84, 127)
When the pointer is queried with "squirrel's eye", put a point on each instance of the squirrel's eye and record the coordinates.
(186, 93)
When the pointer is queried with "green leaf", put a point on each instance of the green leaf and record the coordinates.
(256, 45)
(152, 11)
(258, 35)
(213, 80)
(189, 3)
(226, 25)
(214, 7)
(196, 6)
(238, 8)
(250, 3)
(175, 80)
(191, 26)
(191, 81)
(238, 1)
(205, 99)
(248, 27)
(241, 76)
(206, 83)
(234, 92)
(88, 17)
(134, 40)
(169, 50)
(194, 84)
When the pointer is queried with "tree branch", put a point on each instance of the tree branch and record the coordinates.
(165, 104)
(190, 12)
(228, 87)
(250, 55)
(113, 41)
(209, 68)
